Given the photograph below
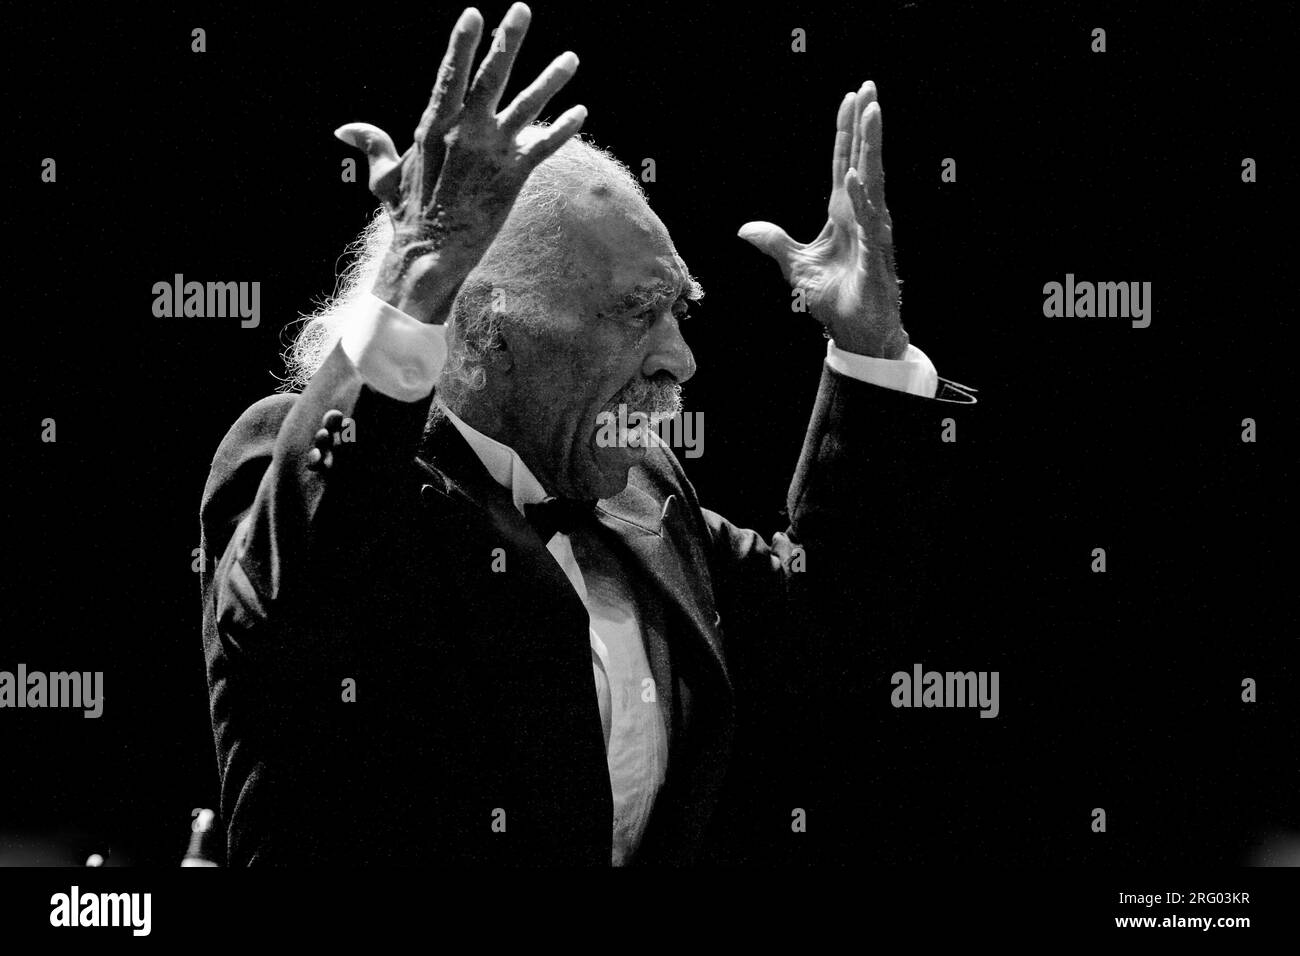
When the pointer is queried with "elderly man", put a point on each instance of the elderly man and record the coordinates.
(446, 622)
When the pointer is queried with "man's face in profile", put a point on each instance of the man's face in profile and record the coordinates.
(611, 338)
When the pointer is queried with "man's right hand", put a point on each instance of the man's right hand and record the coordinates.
(450, 193)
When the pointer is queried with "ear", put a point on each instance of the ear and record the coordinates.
(502, 358)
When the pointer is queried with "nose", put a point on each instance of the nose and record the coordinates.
(668, 351)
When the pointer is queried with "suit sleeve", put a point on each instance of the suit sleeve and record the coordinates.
(805, 616)
(866, 510)
(295, 550)
(266, 568)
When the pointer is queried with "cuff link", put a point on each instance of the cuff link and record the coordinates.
(952, 392)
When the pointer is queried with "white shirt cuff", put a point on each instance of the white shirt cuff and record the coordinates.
(914, 373)
(396, 354)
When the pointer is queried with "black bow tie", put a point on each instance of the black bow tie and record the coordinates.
(560, 515)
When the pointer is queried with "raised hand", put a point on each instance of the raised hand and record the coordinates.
(449, 194)
(847, 273)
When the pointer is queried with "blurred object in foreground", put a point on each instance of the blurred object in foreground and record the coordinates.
(1277, 849)
(70, 846)
(205, 840)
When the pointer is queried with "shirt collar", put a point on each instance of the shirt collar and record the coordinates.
(503, 464)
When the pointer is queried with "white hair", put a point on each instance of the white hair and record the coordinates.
(528, 258)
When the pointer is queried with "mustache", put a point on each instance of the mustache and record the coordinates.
(658, 398)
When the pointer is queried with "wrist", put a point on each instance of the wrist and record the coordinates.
(423, 291)
(883, 344)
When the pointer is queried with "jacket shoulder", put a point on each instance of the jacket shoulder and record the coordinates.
(242, 458)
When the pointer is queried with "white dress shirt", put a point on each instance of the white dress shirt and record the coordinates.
(402, 357)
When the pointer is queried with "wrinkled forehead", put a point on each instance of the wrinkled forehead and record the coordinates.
(622, 252)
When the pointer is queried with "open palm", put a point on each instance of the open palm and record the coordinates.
(847, 274)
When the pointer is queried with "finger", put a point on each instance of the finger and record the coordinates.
(870, 165)
(555, 135)
(772, 240)
(381, 155)
(872, 217)
(532, 101)
(453, 74)
(493, 72)
(866, 94)
(863, 211)
(843, 139)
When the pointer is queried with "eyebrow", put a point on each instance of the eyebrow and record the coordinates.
(653, 293)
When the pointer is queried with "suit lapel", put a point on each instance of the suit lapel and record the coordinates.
(657, 541)
(648, 533)
(651, 536)
(456, 479)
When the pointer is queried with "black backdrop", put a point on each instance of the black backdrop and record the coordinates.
(1119, 690)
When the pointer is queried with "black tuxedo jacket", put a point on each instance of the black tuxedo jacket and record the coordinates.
(474, 735)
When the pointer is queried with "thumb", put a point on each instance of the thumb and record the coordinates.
(771, 239)
(381, 154)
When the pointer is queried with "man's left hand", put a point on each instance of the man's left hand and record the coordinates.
(847, 273)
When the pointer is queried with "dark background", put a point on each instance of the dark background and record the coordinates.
(1119, 690)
